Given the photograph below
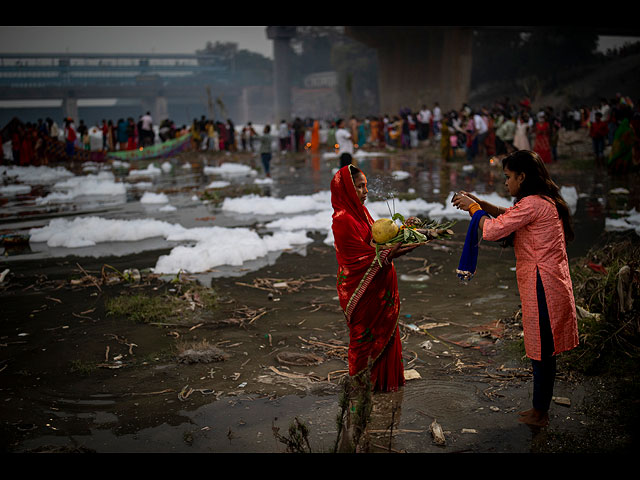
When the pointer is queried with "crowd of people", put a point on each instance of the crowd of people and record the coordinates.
(30, 141)
(467, 132)
(500, 129)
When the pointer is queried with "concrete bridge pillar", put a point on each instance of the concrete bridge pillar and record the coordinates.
(419, 65)
(157, 106)
(70, 108)
(281, 37)
(161, 110)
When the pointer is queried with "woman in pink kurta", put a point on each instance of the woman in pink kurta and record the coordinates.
(540, 225)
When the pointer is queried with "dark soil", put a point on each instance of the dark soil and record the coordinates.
(62, 390)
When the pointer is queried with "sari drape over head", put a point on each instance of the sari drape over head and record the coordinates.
(367, 291)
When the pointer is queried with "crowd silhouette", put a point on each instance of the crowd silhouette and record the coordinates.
(467, 133)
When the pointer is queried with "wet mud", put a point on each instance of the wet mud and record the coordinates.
(76, 378)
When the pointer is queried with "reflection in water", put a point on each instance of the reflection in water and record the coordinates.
(384, 420)
(431, 179)
(368, 420)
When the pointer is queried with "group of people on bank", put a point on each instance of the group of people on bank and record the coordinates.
(468, 132)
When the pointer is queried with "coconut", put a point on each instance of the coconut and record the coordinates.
(384, 230)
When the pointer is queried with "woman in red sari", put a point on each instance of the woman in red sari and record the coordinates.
(368, 291)
(542, 144)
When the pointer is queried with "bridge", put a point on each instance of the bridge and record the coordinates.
(151, 79)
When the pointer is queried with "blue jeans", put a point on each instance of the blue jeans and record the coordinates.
(544, 370)
(598, 146)
(266, 160)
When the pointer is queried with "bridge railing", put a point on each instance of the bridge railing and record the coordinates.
(40, 70)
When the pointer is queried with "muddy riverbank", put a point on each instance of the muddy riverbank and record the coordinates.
(76, 377)
(79, 374)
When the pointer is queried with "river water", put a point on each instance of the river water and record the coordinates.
(477, 415)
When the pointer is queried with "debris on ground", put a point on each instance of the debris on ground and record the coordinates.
(564, 401)
(298, 359)
(331, 348)
(186, 392)
(200, 352)
(437, 433)
(283, 285)
(411, 374)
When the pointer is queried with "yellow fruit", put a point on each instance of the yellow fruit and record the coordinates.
(384, 230)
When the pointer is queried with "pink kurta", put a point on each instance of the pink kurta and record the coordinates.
(539, 244)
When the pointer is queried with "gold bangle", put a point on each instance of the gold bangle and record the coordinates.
(474, 207)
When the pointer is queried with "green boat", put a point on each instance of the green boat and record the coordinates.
(164, 149)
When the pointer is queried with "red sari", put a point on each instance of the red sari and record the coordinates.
(542, 146)
(368, 292)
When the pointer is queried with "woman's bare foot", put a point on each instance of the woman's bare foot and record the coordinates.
(534, 418)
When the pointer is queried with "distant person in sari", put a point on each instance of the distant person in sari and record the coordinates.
(622, 147)
(542, 145)
(367, 289)
(446, 151)
(315, 136)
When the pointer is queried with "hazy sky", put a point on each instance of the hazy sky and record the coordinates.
(129, 39)
(148, 39)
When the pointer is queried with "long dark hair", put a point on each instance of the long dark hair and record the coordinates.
(538, 182)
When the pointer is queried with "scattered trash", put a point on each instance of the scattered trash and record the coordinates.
(112, 366)
(625, 288)
(309, 377)
(201, 353)
(622, 191)
(298, 359)
(596, 267)
(437, 433)
(187, 391)
(414, 278)
(132, 275)
(564, 401)
(427, 326)
(426, 344)
(3, 275)
(411, 374)
(494, 409)
(585, 314)
(469, 430)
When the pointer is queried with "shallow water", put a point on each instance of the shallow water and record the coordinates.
(430, 179)
(125, 411)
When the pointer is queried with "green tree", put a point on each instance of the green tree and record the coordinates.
(246, 67)
(357, 69)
